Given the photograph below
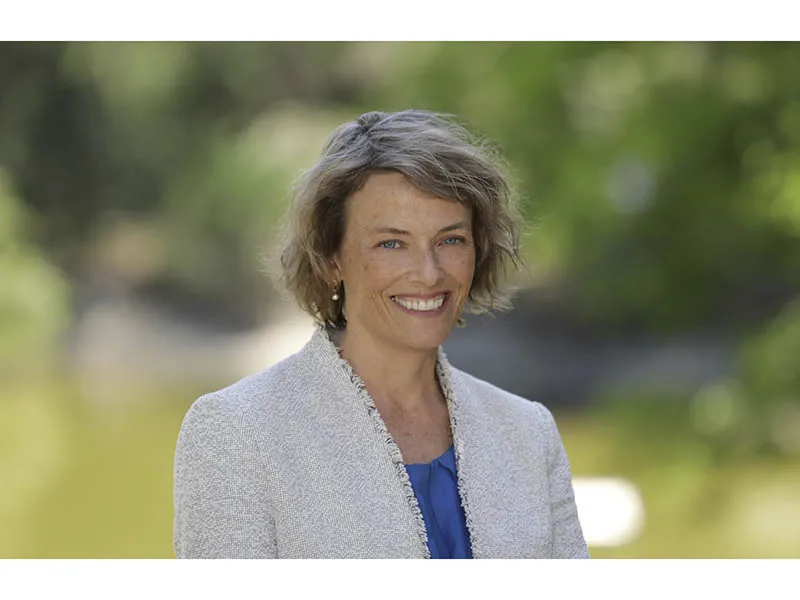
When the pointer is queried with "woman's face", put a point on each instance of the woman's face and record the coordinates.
(407, 261)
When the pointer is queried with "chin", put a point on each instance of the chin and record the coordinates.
(423, 339)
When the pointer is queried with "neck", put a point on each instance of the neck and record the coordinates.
(397, 378)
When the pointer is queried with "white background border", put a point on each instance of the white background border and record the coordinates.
(387, 579)
(294, 20)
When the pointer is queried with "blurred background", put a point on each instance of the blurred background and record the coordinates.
(141, 185)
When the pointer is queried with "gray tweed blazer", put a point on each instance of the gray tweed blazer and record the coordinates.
(296, 462)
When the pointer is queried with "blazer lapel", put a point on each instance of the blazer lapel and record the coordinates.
(493, 476)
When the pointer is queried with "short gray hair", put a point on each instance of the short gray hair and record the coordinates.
(438, 156)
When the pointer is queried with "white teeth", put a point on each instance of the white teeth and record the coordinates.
(420, 305)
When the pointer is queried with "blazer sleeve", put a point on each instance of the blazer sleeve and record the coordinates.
(568, 540)
(221, 504)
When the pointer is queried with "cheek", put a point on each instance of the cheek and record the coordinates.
(370, 274)
(375, 271)
(461, 267)
(378, 274)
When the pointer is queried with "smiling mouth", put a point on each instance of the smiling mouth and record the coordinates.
(417, 305)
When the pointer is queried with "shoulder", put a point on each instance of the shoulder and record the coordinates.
(239, 406)
(495, 403)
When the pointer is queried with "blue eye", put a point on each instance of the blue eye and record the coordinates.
(390, 244)
(453, 240)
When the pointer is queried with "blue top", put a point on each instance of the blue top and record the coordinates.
(436, 488)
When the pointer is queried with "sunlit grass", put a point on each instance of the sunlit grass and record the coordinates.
(112, 493)
(82, 480)
(694, 507)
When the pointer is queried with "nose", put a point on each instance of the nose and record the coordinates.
(427, 270)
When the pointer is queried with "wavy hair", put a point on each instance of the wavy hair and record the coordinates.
(437, 155)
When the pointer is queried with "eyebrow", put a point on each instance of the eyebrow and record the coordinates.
(396, 231)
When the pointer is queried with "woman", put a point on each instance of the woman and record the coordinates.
(367, 443)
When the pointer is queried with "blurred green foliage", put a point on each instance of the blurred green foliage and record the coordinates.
(664, 177)
(662, 181)
(33, 294)
(664, 174)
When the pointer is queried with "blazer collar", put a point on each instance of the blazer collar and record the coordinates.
(323, 346)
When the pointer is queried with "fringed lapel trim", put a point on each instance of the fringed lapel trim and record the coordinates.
(444, 374)
(393, 449)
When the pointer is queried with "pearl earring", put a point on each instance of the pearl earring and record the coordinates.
(335, 296)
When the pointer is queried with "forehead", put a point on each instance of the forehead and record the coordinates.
(389, 199)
